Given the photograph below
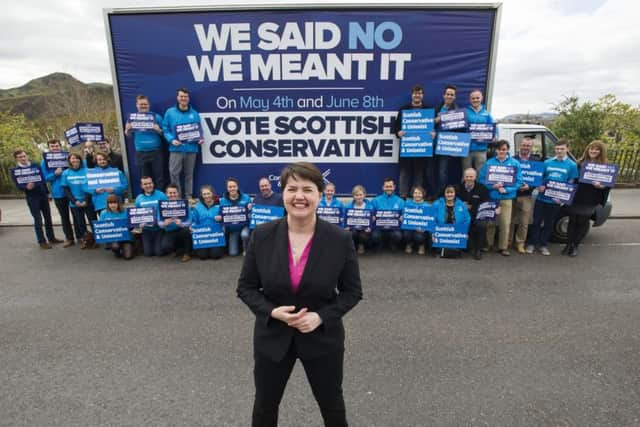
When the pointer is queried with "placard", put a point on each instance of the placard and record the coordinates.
(23, 176)
(139, 217)
(532, 172)
(56, 160)
(605, 174)
(72, 136)
(562, 192)
(358, 219)
(487, 211)
(261, 214)
(100, 178)
(417, 120)
(208, 236)
(416, 144)
(418, 218)
(387, 219)
(453, 120)
(90, 132)
(451, 236)
(170, 209)
(454, 144)
(500, 174)
(482, 132)
(331, 215)
(111, 230)
(189, 133)
(142, 121)
(234, 215)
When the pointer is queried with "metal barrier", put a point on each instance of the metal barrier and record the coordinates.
(628, 159)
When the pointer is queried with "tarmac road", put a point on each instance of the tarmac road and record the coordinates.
(527, 340)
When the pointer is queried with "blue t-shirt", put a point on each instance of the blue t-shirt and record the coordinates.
(558, 170)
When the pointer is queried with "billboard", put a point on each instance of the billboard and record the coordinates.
(278, 85)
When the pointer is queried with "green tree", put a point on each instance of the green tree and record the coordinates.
(15, 133)
(579, 123)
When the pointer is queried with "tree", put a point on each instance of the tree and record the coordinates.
(15, 133)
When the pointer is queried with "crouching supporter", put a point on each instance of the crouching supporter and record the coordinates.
(151, 233)
(451, 210)
(234, 197)
(388, 200)
(206, 211)
(474, 194)
(419, 238)
(176, 237)
(115, 210)
(361, 237)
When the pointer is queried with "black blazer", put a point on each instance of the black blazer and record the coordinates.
(330, 286)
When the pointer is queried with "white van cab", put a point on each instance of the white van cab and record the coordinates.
(543, 144)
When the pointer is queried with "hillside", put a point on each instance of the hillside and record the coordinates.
(56, 95)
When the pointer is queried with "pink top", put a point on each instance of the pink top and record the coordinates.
(296, 270)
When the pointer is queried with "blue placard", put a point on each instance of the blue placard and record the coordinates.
(418, 218)
(500, 174)
(234, 215)
(140, 217)
(189, 133)
(487, 211)
(261, 214)
(454, 144)
(111, 230)
(90, 132)
(559, 191)
(387, 219)
(482, 132)
(100, 178)
(23, 176)
(56, 160)
(329, 214)
(208, 236)
(417, 120)
(170, 209)
(453, 120)
(532, 172)
(358, 219)
(451, 236)
(599, 173)
(416, 144)
(72, 136)
(142, 121)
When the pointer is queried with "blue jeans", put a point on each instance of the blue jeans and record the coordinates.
(152, 242)
(378, 237)
(544, 215)
(233, 240)
(39, 207)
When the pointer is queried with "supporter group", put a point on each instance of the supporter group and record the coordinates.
(491, 214)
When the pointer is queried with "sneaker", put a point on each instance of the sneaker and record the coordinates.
(520, 248)
(573, 251)
(505, 252)
(477, 254)
(421, 250)
(545, 251)
(186, 258)
(529, 249)
(68, 243)
(360, 249)
(566, 249)
(55, 241)
(486, 249)
(408, 249)
(45, 245)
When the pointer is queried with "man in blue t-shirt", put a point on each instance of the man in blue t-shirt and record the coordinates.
(559, 168)
(388, 200)
(477, 114)
(148, 144)
(445, 163)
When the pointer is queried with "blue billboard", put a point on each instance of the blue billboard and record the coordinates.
(274, 86)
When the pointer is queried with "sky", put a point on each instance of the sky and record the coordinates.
(548, 49)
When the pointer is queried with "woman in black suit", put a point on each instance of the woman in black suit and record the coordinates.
(300, 276)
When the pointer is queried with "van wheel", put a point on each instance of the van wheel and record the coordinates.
(560, 229)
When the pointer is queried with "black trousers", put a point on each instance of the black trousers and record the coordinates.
(477, 235)
(178, 241)
(62, 204)
(325, 377)
(578, 227)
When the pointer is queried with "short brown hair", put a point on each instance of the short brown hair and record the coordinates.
(53, 141)
(139, 97)
(302, 170)
(18, 152)
(115, 198)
